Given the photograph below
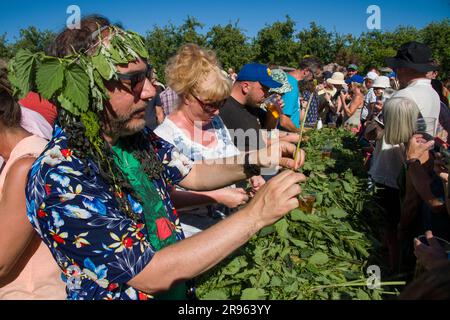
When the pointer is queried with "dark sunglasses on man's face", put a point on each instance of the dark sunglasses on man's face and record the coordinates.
(136, 80)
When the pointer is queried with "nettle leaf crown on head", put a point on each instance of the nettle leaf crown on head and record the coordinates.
(76, 82)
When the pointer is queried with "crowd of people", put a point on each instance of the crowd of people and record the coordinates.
(149, 185)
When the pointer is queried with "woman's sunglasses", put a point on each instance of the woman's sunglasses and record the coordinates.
(210, 107)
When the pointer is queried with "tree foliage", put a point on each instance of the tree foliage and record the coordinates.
(278, 43)
(231, 45)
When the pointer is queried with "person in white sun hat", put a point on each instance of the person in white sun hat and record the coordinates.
(330, 108)
(369, 79)
(382, 91)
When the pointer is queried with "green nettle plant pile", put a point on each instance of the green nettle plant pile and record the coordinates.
(318, 255)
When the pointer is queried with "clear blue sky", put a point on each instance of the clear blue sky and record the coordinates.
(141, 15)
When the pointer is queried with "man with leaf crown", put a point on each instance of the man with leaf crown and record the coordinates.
(98, 195)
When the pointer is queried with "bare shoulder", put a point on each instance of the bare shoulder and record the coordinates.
(19, 169)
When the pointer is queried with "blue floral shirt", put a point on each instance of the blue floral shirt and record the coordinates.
(313, 112)
(98, 247)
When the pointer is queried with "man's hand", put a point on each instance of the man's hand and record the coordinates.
(278, 154)
(418, 147)
(276, 198)
(432, 255)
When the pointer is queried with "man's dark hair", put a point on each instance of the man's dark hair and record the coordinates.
(310, 63)
(70, 41)
(10, 112)
(439, 88)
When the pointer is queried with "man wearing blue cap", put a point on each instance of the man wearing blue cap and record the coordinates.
(242, 109)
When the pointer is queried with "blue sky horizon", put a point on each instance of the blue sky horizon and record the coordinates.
(250, 16)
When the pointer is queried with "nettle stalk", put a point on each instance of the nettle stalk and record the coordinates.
(302, 127)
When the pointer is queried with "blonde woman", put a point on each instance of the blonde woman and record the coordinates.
(195, 127)
(352, 110)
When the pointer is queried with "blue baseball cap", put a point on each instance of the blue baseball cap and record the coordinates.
(356, 78)
(257, 72)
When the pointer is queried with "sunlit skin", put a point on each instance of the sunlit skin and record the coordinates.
(351, 72)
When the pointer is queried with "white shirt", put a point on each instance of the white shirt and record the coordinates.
(423, 94)
(224, 147)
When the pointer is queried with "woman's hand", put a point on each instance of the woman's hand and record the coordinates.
(431, 255)
(232, 197)
(418, 148)
(257, 182)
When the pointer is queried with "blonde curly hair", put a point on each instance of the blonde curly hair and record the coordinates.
(194, 70)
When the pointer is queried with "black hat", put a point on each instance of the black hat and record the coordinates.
(414, 55)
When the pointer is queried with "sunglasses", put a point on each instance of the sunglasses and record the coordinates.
(209, 107)
(136, 80)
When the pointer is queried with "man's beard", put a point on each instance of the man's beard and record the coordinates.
(125, 125)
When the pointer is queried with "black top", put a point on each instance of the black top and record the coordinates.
(244, 123)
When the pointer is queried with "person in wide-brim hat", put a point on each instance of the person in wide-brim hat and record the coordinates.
(337, 78)
(413, 55)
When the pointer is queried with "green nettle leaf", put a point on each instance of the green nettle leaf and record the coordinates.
(299, 243)
(282, 228)
(77, 87)
(49, 77)
(361, 295)
(103, 67)
(117, 56)
(337, 212)
(275, 281)
(318, 258)
(235, 265)
(253, 294)
(24, 69)
(264, 280)
(266, 231)
(68, 105)
(347, 187)
(216, 294)
(298, 215)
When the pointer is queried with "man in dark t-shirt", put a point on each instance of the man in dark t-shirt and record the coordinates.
(241, 112)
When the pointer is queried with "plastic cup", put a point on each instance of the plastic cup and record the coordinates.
(273, 106)
(306, 202)
(327, 149)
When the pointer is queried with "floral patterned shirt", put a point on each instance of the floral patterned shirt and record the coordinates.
(98, 247)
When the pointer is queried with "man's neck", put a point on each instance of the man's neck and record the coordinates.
(10, 138)
(411, 80)
(238, 96)
(110, 138)
(296, 74)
